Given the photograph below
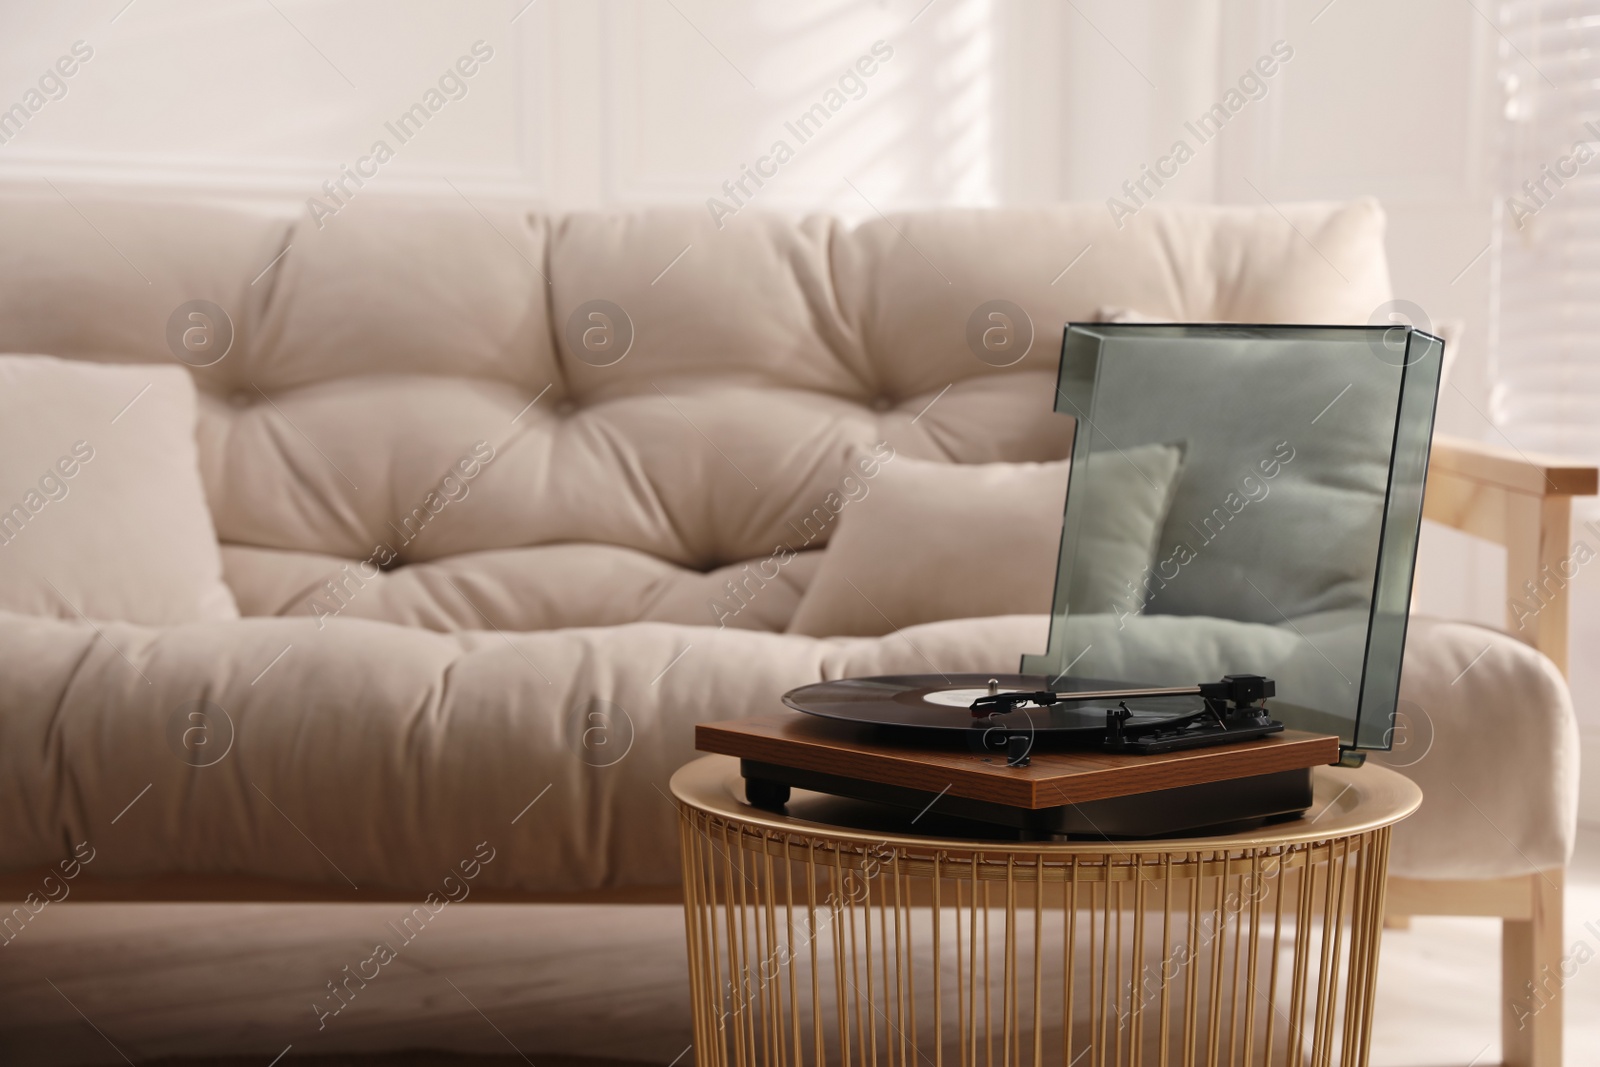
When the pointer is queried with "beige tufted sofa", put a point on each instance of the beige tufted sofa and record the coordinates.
(519, 657)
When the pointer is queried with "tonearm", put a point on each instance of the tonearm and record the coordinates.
(1231, 710)
(1235, 692)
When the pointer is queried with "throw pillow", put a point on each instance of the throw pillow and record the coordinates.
(932, 541)
(101, 508)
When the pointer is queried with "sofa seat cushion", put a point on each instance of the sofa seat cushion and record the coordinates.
(545, 587)
(383, 754)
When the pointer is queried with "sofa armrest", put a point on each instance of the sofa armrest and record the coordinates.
(1507, 468)
(1497, 803)
(1524, 503)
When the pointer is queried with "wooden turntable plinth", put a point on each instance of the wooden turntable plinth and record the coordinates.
(1061, 791)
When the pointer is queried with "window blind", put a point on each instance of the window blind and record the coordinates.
(1545, 322)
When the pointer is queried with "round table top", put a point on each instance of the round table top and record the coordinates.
(1347, 801)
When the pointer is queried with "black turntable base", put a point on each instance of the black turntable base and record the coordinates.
(1062, 790)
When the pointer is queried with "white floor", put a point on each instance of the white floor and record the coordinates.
(1439, 983)
(119, 984)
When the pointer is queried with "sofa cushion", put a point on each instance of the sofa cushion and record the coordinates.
(395, 750)
(383, 754)
(543, 587)
(365, 364)
(100, 277)
(101, 508)
(750, 303)
(930, 541)
(918, 542)
(909, 284)
(391, 287)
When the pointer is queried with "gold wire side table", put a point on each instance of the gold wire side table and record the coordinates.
(843, 934)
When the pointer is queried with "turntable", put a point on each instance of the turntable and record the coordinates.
(1264, 639)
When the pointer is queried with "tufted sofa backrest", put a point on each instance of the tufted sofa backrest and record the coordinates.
(645, 401)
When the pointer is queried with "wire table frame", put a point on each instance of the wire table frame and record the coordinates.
(830, 936)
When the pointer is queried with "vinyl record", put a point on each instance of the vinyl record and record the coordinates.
(943, 702)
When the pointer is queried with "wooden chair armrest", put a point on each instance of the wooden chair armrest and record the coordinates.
(1517, 471)
(1523, 502)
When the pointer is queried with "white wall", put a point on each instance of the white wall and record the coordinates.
(622, 102)
(584, 104)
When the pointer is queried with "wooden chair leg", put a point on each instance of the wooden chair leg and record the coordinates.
(1531, 978)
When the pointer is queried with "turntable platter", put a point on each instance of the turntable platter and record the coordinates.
(943, 702)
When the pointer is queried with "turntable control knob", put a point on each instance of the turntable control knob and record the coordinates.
(994, 686)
